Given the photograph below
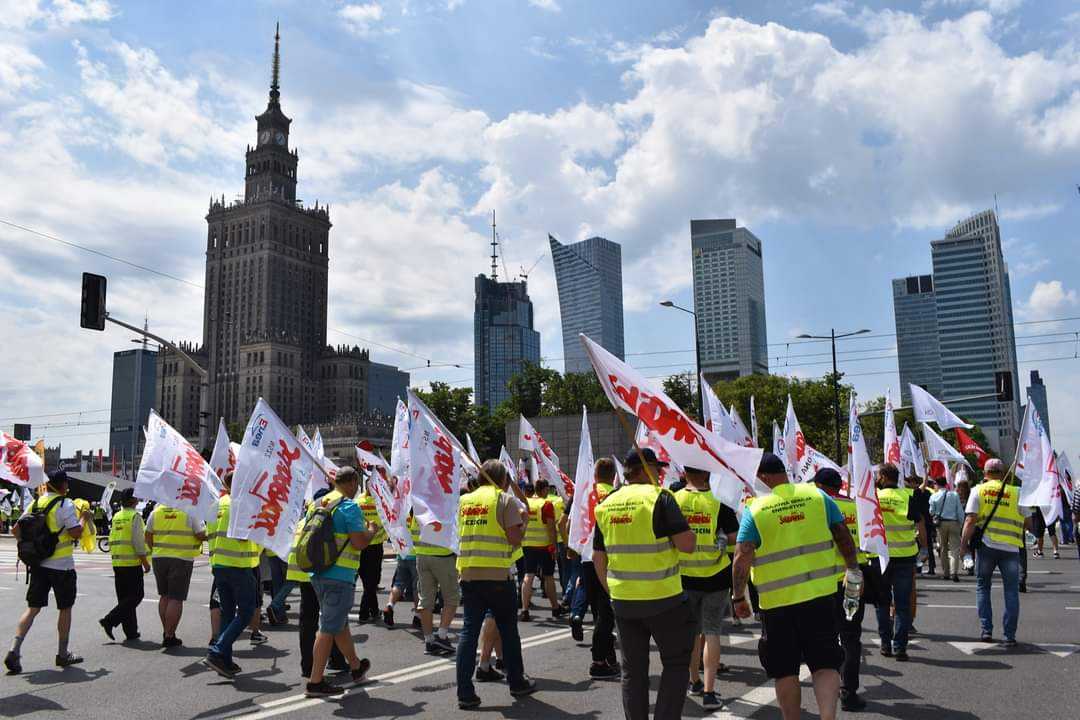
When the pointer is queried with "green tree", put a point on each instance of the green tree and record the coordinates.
(454, 407)
(683, 389)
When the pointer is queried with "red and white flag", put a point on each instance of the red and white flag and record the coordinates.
(547, 462)
(645, 438)
(508, 463)
(912, 462)
(929, 409)
(174, 474)
(794, 440)
(688, 443)
(1066, 474)
(324, 470)
(812, 462)
(867, 507)
(436, 473)
(223, 459)
(19, 464)
(269, 487)
(739, 434)
(1036, 466)
(582, 511)
(938, 449)
(716, 418)
(892, 440)
(969, 447)
(392, 504)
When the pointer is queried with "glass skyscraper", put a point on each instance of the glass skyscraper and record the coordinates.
(729, 300)
(1036, 393)
(134, 382)
(589, 277)
(503, 337)
(915, 309)
(975, 326)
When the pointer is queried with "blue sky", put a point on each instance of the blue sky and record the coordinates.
(846, 135)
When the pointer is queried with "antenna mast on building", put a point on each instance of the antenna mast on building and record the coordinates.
(494, 249)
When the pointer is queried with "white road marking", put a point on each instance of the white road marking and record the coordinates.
(758, 697)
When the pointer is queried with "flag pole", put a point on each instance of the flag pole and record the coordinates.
(630, 435)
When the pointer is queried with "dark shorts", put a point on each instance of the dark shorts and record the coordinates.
(797, 634)
(258, 586)
(60, 582)
(173, 577)
(538, 561)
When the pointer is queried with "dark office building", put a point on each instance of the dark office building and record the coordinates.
(134, 384)
(503, 336)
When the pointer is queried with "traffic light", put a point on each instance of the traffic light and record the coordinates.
(92, 315)
(1003, 383)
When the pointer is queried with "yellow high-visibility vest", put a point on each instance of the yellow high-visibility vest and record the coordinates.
(701, 510)
(900, 533)
(536, 534)
(64, 544)
(851, 521)
(371, 515)
(1007, 525)
(796, 561)
(121, 541)
(230, 552)
(483, 540)
(640, 566)
(173, 537)
(350, 556)
(425, 548)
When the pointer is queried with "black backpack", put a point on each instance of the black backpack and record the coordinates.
(36, 541)
(317, 549)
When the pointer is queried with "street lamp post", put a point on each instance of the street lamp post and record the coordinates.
(833, 337)
(697, 357)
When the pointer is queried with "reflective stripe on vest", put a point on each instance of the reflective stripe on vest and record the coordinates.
(350, 556)
(226, 551)
(121, 542)
(701, 511)
(1007, 525)
(425, 548)
(371, 515)
(65, 546)
(536, 534)
(796, 561)
(851, 520)
(483, 542)
(294, 573)
(173, 537)
(640, 566)
(900, 532)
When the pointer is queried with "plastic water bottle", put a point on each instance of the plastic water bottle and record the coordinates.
(852, 591)
(968, 563)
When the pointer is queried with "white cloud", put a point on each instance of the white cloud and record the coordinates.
(1049, 299)
(18, 69)
(70, 12)
(363, 20)
(996, 7)
(548, 5)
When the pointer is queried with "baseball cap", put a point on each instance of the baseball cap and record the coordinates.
(771, 465)
(58, 477)
(633, 458)
(127, 496)
(828, 477)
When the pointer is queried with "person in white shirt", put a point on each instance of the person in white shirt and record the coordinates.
(947, 513)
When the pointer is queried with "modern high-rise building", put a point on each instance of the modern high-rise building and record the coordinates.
(503, 337)
(134, 382)
(1036, 393)
(915, 309)
(975, 327)
(589, 278)
(729, 300)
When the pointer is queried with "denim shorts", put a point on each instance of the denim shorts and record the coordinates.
(405, 577)
(335, 602)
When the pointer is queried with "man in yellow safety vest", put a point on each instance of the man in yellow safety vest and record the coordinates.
(639, 534)
(541, 539)
(791, 538)
(127, 545)
(175, 539)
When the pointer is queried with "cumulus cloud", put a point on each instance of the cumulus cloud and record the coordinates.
(363, 20)
(1049, 299)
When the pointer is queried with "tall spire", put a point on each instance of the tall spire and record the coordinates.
(274, 94)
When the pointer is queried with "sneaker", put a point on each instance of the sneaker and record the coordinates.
(338, 667)
(257, 638)
(711, 701)
(218, 665)
(416, 622)
(1011, 642)
(1057, 555)
(901, 656)
(11, 662)
(956, 578)
(491, 675)
(388, 617)
(435, 648)
(171, 642)
(558, 612)
(851, 702)
(604, 671)
(885, 651)
(986, 637)
(697, 687)
(524, 616)
(133, 637)
(577, 629)
(107, 628)
(359, 675)
(468, 703)
(322, 689)
(445, 643)
(528, 687)
(235, 668)
(68, 659)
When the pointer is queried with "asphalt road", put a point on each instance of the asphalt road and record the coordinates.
(950, 675)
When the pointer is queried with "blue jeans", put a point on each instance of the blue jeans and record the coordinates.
(896, 584)
(477, 598)
(986, 559)
(278, 603)
(236, 592)
(573, 569)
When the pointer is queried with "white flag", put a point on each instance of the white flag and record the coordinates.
(867, 507)
(753, 422)
(547, 462)
(472, 449)
(929, 409)
(892, 441)
(325, 471)
(270, 483)
(646, 438)
(938, 449)
(812, 462)
(912, 461)
(739, 434)
(1065, 472)
(106, 499)
(688, 443)
(794, 440)
(508, 463)
(1035, 465)
(399, 445)
(716, 418)
(19, 464)
(222, 459)
(620, 473)
(436, 476)
(582, 515)
(778, 442)
(392, 505)
(317, 444)
(174, 474)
